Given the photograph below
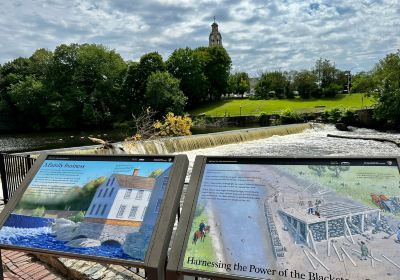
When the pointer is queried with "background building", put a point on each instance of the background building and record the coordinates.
(215, 38)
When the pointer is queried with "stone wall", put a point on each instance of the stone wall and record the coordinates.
(318, 231)
(336, 227)
(105, 232)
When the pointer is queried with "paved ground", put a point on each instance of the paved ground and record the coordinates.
(18, 265)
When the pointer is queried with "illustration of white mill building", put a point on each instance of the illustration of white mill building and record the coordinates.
(123, 199)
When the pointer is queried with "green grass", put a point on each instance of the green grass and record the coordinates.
(275, 106)
(202, 250)
(358, 183)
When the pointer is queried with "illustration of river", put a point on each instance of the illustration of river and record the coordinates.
(37, 233)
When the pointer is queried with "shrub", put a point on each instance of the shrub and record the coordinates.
(287, 116)
(39, 211)
(340, 115)
(78, 217)
(174, 125)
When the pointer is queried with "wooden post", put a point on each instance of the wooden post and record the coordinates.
(337, 253)
(329, 247)
(362, 222)
(318, 260)
(347, 227)
(308, 257)
(312, 242)
(392, 262)
(347, 254)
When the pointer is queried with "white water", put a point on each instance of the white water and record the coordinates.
(10, 232)
(312, 142)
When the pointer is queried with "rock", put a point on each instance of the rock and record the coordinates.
(60, 223)
(84, 243)
(341, 127)
(65, 230)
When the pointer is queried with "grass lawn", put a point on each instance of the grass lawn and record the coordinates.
(358, 183)
(200, 250)
(257, 107)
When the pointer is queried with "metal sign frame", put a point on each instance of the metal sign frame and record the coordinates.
(155, 257)
(175, 269)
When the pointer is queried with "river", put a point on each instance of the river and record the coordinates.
(25, 142)
(312, 142)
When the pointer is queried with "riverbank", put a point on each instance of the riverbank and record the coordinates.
(247, 107)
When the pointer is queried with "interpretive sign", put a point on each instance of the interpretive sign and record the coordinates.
(290, 218)
(96, 207)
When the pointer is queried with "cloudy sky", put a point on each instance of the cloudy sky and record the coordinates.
(259, 35)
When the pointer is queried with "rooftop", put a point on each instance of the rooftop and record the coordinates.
(135, 182)
(328, 211)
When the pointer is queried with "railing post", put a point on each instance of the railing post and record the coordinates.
(28, 162)
(3, 176)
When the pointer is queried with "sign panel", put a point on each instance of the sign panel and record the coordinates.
(295, 219)
(96, 206)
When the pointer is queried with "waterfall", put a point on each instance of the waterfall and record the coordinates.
(187, 143)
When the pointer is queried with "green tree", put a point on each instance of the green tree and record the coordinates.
(272, 84)
(387, 76)
(331, 90)
(305, 82)
(363, 82)
(30, 99)
(239, 83)
(11, 73)
(163, 93)
(217, 67)
(187, 65)
(40, 64)
(148, 64)
(329, 79)
(318, 169)
(133, 99)
(85, 85)
(325, 71)
(337, 169)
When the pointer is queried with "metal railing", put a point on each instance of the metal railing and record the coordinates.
(12, 171)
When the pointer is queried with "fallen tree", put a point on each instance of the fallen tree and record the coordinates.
(397, 143)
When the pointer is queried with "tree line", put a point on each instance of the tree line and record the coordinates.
(89, 85)
(324, 80)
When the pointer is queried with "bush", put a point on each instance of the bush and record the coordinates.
(340, 115)
(333, 115)
(174, 125)
(39, 211)
(331, 90)
(287, 116)
(78, 217)
(263, 119)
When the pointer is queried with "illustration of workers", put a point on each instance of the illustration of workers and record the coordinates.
(364, 251)
(202, 227)
(316, 211)
(310, 207)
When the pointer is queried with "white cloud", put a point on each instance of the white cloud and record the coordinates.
(260, 34)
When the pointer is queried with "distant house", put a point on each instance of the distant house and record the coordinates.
(123, 200)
